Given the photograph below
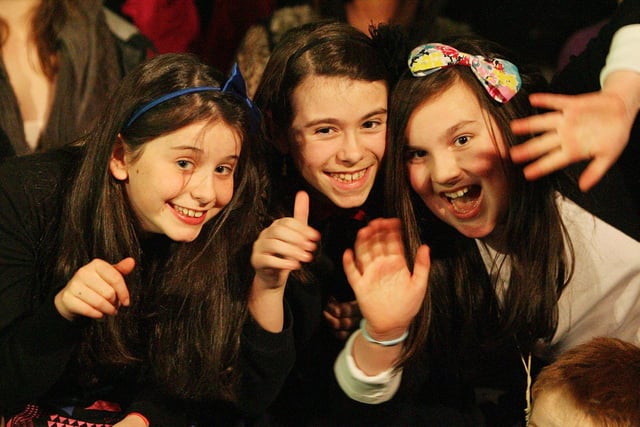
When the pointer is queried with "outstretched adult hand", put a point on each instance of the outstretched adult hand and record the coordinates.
(96, 289)
(388, 293)
(593, 126)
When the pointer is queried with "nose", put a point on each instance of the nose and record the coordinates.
(351, 149)
(444, 168)
(203, 189)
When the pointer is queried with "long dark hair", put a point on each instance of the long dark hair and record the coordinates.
(188, 301)
(536, 241)
(323, 48)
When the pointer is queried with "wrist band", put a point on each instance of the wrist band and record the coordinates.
(389, 343)
(138, 414)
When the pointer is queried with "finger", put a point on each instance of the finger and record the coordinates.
(116, 290)
(422, 265)
(391, 234)
(350, 269)
(70, 305)
(87, 301)
(301, 207)
(534, 148)
(550, 101)
(369, 242)
(299, 250)
(593, 173)
(124, 267)
(545, 165)
(333, 307)
(292, 231)
(274, 261)
(333, 321)
(536, 124)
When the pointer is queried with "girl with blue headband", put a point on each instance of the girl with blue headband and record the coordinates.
(517, 273)
(124, 273)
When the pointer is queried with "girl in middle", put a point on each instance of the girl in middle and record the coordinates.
(324, 97)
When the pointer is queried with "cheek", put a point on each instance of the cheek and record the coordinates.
(377, 145)
(224, 193)
(309, 156)
(419, 179)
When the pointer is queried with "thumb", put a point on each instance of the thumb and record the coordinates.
(301, 207)
(125, 266)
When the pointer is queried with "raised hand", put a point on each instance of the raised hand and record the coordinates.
(388, 293)
(281, 248)
(284, 245)
(592, 126)
(95, 290)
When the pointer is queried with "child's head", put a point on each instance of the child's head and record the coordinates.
(324, 92)
(596, 384)
(450, 132)
(175, 143)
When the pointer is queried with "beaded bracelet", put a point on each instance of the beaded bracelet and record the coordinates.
(389, 343)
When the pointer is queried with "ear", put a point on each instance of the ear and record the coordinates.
(118, 162)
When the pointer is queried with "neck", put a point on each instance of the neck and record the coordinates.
(18, 14)
(361, 13)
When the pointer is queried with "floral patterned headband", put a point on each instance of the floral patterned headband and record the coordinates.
(498, 76)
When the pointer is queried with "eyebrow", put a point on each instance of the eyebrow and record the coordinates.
(451, 130)
(200, 151)
(333, 120)
(187, 147)
(456, 127)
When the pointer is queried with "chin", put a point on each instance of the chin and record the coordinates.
(183, 237)
(349, 202)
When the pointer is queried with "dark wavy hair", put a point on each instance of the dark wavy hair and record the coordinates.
(188, 300)
(461, 295)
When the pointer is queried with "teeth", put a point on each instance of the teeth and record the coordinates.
(188, 212)
(348, 177)
(457, 194)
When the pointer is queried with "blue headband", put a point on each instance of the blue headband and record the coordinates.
(234, 85)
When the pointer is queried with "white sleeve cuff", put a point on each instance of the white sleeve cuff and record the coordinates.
(623, 52)
(358, 385)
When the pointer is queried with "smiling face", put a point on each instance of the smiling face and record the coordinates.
(339, 130)
(180, 180)
(454, 163)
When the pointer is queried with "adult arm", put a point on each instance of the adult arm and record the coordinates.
(594, 126)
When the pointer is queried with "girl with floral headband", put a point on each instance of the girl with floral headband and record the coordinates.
(123, 272)
(517, 272)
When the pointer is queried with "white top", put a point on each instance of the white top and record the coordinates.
(624, 53)
(602, 298)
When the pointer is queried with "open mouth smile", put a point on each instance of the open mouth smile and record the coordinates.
(465, 200)
(348, 177)
(188, 212)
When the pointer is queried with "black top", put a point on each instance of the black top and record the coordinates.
(38, 346)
